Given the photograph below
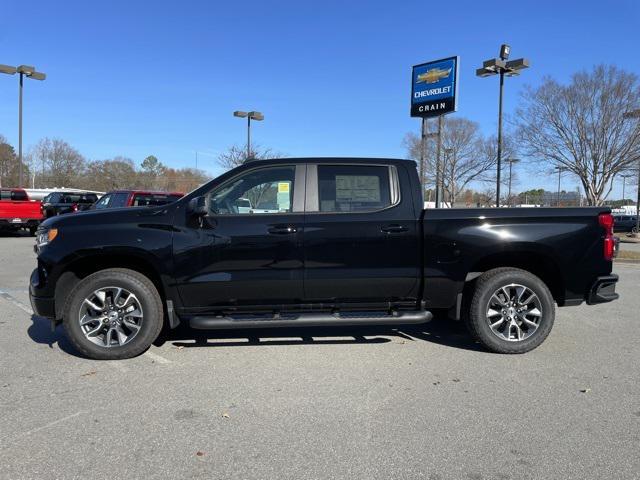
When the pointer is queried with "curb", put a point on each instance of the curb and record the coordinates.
(627, 260)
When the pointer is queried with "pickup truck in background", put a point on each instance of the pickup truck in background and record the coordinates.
(346, 242)
(17, 211)
(58, 203)
(135, 198)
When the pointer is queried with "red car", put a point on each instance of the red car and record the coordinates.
(17, 211)
(135, 198)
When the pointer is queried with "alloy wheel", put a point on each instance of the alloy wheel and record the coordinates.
(110, 317)
(514, 312)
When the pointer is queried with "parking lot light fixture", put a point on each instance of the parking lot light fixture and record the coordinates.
(8, 69)
(500, 66)
(252, 115)
(29, 72)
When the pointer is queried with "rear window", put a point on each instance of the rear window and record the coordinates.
(88, 198)
(52, 198)
(71, 198)
(152, 200)
(353, 188)
(16, 195)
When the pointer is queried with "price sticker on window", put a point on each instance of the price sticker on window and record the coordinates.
(283, 187)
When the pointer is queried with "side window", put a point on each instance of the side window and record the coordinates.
(267, 190)
(353, 188)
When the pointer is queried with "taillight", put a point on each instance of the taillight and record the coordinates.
(74, 207)
(606, 221)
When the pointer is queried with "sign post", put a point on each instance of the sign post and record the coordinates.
(434, 92)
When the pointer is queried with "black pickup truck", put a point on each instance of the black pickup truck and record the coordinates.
(343, 242)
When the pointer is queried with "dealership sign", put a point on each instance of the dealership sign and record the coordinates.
(434, 88)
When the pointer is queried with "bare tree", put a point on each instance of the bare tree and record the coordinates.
(580, 126)
(10, 165)
(236, 156)
(490, 154)
(63, 164)
(464, 156)
(182, 179)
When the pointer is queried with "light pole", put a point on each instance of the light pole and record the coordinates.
(449, 168)
(500, 66)
(29, 72)
(635, 114)
(511, 162)
(250, 116)
(624, 181)
(560, 169)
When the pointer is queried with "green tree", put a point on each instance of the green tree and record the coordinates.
(152, 172)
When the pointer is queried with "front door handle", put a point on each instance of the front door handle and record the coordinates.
(394, 229)
(282, 230)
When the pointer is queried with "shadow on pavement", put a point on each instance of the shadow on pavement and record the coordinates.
(441, 331)
(14, 234)
(40, 332)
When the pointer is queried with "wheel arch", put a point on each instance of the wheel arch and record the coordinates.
(542, 266)
(89, 264)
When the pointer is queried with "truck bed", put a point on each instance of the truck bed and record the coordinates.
(563, 245)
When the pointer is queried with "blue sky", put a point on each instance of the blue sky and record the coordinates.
(332, 77)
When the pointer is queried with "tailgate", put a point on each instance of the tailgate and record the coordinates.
(16, 209)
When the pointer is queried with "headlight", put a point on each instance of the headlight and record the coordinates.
(46, 237)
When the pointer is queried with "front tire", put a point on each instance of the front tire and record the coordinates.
(512, 311)
(113, 314)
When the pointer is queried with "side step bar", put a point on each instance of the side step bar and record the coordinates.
(310, 320)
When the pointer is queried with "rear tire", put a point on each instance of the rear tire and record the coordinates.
(123, 301)
(511, 311)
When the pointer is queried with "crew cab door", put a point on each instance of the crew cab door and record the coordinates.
(361, 239)
(248, 249)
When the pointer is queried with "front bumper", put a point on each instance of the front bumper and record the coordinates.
(43, 306)
(603, 290)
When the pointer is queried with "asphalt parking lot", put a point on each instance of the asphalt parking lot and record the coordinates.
(415, 402)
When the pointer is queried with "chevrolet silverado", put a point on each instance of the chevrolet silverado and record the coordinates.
(344, 242)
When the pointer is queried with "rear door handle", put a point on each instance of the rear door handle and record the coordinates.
(282, 230)
(394, 229)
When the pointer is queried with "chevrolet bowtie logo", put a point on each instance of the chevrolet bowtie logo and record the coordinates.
(434, 75)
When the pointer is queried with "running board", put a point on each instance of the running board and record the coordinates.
(309, 320)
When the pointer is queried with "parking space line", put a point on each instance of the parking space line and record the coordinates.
(10, 298)
(155, 357)
(55, 422)
(25, 308)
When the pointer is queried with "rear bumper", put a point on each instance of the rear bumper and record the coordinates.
(603, 290)
(6, 224)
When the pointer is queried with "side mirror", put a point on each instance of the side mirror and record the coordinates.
(199, 206)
